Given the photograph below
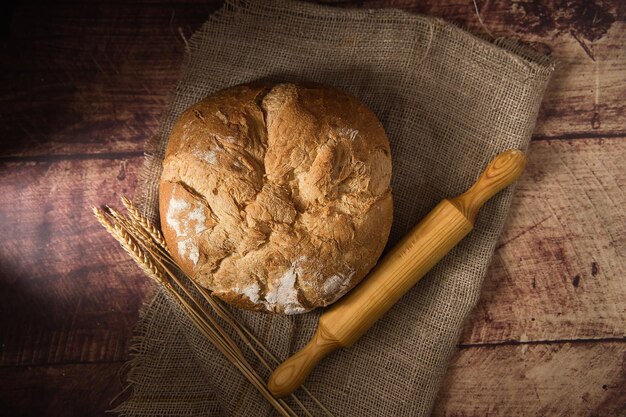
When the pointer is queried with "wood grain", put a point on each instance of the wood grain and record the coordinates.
(559, 269)
(83, 79)
(574, 380)
(59, 390)
(71, 294)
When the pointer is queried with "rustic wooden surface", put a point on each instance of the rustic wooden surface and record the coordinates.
(84, 84)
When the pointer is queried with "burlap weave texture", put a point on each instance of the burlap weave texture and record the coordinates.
(449, 102)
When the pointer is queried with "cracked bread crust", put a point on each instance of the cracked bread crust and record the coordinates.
(277, 196)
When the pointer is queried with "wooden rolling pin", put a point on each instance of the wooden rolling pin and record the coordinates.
(445, 226)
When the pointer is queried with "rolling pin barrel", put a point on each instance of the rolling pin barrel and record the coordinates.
(399, 270)
(443, 228)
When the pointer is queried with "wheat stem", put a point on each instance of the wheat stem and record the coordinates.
(215, 335)
(199, 305)
(228, 318)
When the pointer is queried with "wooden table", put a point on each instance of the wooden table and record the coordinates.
(84, 85)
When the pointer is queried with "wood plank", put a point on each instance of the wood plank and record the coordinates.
(586, 93)
(85, 78)
(69, 293)
(574, 380)
(538, 380)
(559, 269)
(61, 390)
(587, 38)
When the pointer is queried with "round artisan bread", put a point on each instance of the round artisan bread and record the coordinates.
(277, 196)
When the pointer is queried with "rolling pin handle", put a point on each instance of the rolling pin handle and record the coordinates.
(291, 374)
(503, 170)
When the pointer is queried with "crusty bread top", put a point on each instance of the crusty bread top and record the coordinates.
(277, 197)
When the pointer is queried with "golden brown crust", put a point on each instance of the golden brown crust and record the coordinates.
(277, 197)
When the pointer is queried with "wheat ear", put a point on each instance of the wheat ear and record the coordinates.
(140, 233)
(136, 215)
(129, 245)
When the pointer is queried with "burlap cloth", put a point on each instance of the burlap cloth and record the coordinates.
(449, 102)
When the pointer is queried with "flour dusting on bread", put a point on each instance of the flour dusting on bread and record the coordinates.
(188, 249)
(176, 208)
(251, 291)
(335, 286)
(351, 133)
(284, 294)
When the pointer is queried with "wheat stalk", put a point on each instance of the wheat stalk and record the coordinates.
(145, 244)
(216, 335)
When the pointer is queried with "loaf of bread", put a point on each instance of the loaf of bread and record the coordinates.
(277, 197)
